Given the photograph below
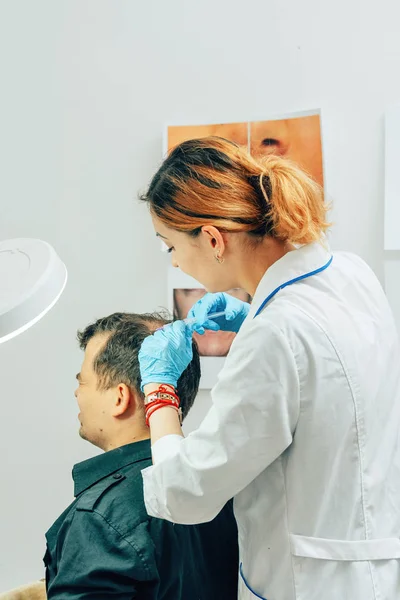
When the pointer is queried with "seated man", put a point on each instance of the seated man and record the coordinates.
(105, 545)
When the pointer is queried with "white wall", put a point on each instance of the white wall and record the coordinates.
(86, 87)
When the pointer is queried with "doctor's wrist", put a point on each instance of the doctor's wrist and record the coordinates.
(163, 396)
(153, 387)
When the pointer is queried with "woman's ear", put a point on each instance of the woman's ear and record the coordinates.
(215, 239)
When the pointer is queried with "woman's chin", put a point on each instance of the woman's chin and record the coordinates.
(214, 343)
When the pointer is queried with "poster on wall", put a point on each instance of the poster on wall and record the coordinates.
(296, 136)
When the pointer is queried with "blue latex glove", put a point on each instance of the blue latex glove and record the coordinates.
(235, 313)
(164, 355)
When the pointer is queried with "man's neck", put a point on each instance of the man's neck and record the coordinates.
(123, 440)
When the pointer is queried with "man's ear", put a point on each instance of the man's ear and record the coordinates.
(125, 401)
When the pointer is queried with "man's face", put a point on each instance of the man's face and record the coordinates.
(94, 403)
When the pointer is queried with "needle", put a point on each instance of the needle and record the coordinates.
(210, 316)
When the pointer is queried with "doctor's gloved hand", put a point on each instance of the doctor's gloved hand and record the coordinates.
(235, 313)
(164, 355)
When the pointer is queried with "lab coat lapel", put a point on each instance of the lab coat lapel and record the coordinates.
(294, 264)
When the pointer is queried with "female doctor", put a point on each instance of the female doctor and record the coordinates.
(304, 428)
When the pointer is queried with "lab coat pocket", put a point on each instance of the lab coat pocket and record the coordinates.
(245, 591)
(326, 569)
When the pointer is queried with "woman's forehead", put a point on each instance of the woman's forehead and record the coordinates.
(161, 230)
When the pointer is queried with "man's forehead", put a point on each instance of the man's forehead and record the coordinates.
(95, 344)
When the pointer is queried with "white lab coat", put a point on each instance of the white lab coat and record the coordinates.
(304, 433)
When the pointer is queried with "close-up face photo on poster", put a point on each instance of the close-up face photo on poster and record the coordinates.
(297, 137)
(211, 343)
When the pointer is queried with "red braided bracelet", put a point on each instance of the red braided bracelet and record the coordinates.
(156, 405)
(164, 395)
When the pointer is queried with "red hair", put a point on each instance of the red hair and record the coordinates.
(214, 181)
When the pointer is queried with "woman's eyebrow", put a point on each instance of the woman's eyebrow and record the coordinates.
(161, 236)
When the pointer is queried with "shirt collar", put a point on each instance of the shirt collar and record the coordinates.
(87, 473)
(305, 259)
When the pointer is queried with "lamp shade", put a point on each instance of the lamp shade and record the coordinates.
(32, 278)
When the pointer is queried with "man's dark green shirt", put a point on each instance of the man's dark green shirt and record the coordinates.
(104, 545)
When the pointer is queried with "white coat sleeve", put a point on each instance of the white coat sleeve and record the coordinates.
(254, 412)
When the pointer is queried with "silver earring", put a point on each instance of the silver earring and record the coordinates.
(219, 259)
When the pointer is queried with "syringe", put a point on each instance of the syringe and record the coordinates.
(193, 319)
(210, 316)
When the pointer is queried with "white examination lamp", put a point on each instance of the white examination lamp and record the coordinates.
(32, 278)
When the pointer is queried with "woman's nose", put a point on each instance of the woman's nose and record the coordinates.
(174, 262)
